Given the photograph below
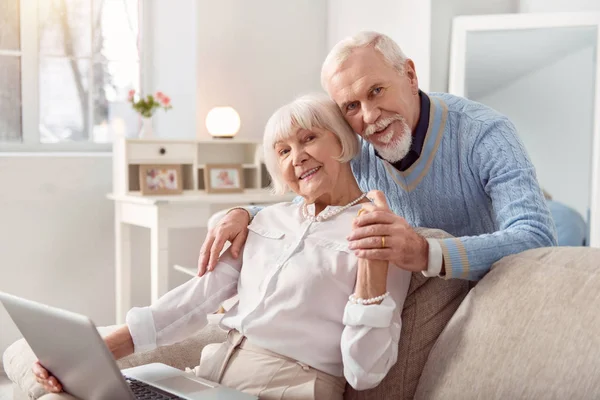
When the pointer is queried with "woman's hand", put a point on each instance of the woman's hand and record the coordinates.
(42, 376)
(371, 280)
(234, 228)
(379, 234)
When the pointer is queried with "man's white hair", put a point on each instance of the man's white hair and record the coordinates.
(306, 112)
(391, 52)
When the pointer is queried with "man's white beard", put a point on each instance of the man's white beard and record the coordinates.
(394, 149)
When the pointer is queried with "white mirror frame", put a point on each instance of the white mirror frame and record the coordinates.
(465, 24)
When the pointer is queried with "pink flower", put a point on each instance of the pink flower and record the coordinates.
(159, 95)
(166, 101)
(130, 95)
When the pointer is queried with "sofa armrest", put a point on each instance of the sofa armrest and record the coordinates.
(19, 358)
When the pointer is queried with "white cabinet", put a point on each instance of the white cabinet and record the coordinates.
(193, 156)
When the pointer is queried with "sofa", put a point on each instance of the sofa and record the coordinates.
(530, 329)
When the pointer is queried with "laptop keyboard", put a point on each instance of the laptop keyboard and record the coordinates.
(143, 391)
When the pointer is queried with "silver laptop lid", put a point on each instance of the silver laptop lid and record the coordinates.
(74, 352)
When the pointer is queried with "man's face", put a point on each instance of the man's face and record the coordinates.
(380, 103)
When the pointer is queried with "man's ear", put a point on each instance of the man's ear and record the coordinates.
(411, 74)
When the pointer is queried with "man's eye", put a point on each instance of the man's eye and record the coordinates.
(377, 90)
(351, 106)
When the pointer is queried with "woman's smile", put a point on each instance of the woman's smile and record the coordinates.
(308, 175)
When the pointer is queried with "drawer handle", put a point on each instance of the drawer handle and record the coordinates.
(162, 151)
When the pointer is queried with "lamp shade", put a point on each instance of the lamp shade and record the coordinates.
(223, 122)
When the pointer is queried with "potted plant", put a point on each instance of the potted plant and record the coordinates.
(146, 107)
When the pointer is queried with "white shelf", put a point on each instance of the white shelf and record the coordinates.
(244, 166)
(152, 161)
(234, 140)
(249, 196)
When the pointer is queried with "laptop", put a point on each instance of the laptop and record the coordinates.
(70, 347)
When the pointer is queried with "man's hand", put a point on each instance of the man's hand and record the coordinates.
(379, 234)
(234, 228)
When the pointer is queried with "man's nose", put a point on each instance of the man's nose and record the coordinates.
(371, 114)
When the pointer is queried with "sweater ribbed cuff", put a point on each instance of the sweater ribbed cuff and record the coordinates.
(456, 262)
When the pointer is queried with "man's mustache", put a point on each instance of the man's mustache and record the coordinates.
(382, 124)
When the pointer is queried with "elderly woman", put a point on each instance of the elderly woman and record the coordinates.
(311, 315)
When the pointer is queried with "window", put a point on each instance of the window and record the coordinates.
(10, 71)
(66, 67)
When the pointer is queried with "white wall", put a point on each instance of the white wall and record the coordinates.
(170, 47)
(56, 235)
(442, 13)
(408, 22)
(257, 55)
(554, 118)
(558, 5)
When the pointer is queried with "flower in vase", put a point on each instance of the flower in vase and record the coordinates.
(147, 106)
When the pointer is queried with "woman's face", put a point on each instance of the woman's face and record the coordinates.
(308, 162)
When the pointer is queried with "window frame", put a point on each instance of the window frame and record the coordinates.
(30, 90)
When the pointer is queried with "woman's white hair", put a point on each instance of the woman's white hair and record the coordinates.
(391, 52)
(306, 112)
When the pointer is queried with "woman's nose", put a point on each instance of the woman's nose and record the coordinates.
(299, 157)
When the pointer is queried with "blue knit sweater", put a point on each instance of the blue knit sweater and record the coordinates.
(473, 180)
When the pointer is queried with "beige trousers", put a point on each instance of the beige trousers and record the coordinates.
(240, 365)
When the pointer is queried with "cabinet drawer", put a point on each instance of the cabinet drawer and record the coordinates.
(160, 152)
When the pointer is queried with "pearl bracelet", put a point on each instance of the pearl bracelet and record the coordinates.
(357, 300)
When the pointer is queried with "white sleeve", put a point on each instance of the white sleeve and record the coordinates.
(435, 259)
(183, 311)
(370, 342)
(370, 339)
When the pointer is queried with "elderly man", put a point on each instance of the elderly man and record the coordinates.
(442, 161)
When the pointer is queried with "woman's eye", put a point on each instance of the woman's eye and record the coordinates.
(377, 90)
(283, 152)
(310, 138)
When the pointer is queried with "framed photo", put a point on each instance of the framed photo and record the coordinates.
(161, 179)
(224, 178)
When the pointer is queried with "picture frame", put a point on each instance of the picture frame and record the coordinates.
(161, 179)
(224, 178)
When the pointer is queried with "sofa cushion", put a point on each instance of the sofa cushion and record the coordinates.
(430, 304)
(529, 329)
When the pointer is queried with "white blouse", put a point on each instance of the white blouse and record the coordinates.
(293, 298)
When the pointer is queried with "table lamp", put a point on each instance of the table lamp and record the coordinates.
(223, 122)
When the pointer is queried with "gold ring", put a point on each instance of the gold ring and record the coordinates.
(382, 242)
(362, 210)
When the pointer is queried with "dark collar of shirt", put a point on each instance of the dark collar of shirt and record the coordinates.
(418, 136)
